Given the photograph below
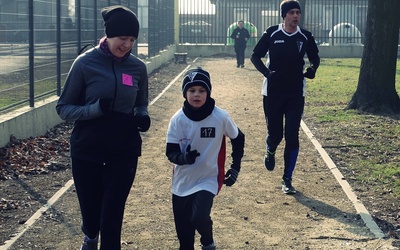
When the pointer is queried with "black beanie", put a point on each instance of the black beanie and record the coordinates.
(288, 5)
(196, 77)
(120, 21)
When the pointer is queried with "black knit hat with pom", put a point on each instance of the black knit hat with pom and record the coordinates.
(196, 77)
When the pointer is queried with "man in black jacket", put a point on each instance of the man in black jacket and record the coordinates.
(284, 84)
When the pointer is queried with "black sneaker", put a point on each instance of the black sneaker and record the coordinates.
(209, 247)
(269, 160)
(242, 66)
(287, 187)
(89, 244)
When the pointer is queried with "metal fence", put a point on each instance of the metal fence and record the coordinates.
(39, 39)
(332, 22)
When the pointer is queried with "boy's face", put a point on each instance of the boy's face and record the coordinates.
(196, 96)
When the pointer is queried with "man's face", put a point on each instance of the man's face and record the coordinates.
(240, 25)
(292, 18)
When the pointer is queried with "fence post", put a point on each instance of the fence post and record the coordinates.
(58, 41)
(78, 8)
(95, 11)
(31, 56)
(176, 22)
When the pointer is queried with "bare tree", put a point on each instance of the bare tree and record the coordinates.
(376, 92)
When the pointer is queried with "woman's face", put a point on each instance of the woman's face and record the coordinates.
(120, 45)
(196, 96)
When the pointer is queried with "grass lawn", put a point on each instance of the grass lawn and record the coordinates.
(365, 146)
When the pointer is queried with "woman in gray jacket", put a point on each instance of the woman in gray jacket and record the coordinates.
(106, 95)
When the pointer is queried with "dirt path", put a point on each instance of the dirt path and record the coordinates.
(252, 214)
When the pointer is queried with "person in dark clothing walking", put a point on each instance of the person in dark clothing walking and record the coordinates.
(241, 35)
(106, 95)
(284, 85)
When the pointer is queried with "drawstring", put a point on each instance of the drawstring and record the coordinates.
(87, 45)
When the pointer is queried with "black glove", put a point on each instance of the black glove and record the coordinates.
(270, 75)
(230, 177)
(105, 105)
(310, 73)
(190, 155)
(143, 122)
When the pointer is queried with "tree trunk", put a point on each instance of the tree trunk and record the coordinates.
(376, 90)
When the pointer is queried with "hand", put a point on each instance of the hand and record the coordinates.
(143, 122)
(270, 75)
(105, 105)
(190, 155)
(310, 73)
(230, 177)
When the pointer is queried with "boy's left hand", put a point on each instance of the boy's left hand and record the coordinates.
(230, 177)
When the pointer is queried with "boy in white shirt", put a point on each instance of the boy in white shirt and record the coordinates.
(196, 145)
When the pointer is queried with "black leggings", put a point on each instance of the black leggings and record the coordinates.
(102, 191)
(240, 55)
(283, 116)
(193, 213)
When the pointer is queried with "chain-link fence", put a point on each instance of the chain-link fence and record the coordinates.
(333, 22)
(40, 39)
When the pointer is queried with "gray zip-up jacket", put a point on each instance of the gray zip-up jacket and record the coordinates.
(94, 76)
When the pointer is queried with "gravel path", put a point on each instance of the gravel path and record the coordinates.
(252, 214)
